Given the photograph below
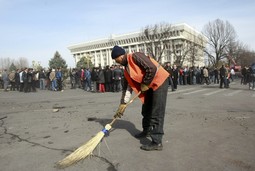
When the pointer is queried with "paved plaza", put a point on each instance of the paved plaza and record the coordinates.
(206, 129)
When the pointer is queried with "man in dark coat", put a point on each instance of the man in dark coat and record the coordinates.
(108, 79)
(175, 76)
(94, 78)
(223, 76)
(168, 68)
(117, 75)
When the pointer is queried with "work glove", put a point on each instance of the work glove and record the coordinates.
(144, 88)
(120, 111)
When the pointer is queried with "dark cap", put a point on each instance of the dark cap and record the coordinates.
(117, 51)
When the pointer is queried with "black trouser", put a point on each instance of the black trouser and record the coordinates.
(170, 82)
(153, 111)
(25, 88)
(59, 84)
(222, 81)
(18, 85)
(21, 89)
(13, 85)
(108, 87)
(216, 79)
(117, 85)
(29, 86)
(175, 82)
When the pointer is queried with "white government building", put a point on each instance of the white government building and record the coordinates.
(99, 51)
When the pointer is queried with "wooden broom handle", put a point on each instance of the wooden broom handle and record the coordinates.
(128, 103)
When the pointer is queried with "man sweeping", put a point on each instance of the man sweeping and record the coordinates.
(144, 74)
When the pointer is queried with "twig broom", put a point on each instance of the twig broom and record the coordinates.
(85, 150)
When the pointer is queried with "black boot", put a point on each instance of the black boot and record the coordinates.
(143, 134)
(152, 146)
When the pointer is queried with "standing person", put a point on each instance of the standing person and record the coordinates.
(5, 79)
(87, 78)
(17, 79)
(101, 80)
(78, 78)
(48, 82)
(206, 75)
(21, 89)
(25, 79)
(117, 74)
(94, 78)
(244, 73)
(251, 72)
(190, 76)
(72, 78)
(223, 76)
(194, 75)
(108, 79)
(168, 68)
(216, 76)
(227, 78)
(181, 76)
(12, 80)
(42, 77)
(232, 74)
(29, 79)
(59, 78)
(201, 75)
(34, 79)
(175, 76)
(185, 75)
(144, 74)
(52, 78)
(82, 79)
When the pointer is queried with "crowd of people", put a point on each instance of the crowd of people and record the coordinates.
(110, 78)
(248, 76)
(28, 80)
(204, 75)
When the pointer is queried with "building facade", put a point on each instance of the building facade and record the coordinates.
(182, 37)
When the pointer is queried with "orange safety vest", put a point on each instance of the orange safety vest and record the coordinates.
(135, 75)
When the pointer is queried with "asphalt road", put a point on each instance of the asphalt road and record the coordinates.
(206, 129)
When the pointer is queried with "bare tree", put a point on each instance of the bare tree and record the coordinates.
(189, 50)
(22, 62)
(234, 51)
(219, 34)
(156, 39)
(197, 49)
(180, 52)
(5, 63)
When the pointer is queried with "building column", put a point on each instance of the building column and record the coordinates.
(110, 61)
(75, 60)
(145, 50)
(107, 57)
(101, 58)
(96, 62)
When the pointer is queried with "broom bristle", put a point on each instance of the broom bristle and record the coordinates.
(83, 151)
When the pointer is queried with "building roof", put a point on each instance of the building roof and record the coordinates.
(114, 37)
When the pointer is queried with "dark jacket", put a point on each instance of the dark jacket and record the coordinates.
(101, 78)
(94, 75)
(42, 75)
(117, 74)
(222, 72)
(108, 75)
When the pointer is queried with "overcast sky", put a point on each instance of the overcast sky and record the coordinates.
(36, 29)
